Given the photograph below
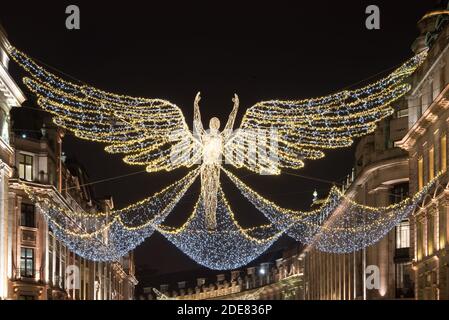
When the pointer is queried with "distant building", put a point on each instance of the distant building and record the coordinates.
(279, 279)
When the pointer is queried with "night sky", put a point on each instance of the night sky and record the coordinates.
(169, 50)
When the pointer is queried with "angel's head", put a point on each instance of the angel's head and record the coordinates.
(214, 124)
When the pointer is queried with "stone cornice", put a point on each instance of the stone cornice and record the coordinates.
(430, 116)
(4, 166)
(374, 167)
(6, 146)
(10, 90)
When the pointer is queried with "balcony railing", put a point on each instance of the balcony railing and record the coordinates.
(27, 274)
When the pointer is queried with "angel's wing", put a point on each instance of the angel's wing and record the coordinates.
(281, 134)
(150, 132)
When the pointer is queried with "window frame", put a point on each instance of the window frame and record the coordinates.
(25, 215)
(402, 236)
(25, 259)
(24, 165)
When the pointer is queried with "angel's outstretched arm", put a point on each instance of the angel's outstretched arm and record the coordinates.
(230, 124)
(198, 129)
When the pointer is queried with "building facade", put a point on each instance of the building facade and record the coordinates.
(34, 265)
(40, 262)
(404, 154)
(10, 96)
(426, 144)
(380, 178)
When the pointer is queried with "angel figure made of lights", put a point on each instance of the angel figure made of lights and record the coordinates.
(273, 136)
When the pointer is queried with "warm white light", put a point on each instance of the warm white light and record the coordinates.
(274, 135)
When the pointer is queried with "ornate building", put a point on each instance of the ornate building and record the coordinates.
(380, 178)
(33, 263)
(426, 144)
(39, 261)
(412, 259)
(408, 258)
(10, 96)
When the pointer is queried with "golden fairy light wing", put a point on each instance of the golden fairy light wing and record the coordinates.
(149, 132)
(280, 134)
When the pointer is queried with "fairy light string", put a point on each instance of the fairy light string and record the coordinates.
(273, 135)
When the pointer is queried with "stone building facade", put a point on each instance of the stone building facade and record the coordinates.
(426, 144)
(405, 153)
(39, 260)
(380, 178)
(10, 96)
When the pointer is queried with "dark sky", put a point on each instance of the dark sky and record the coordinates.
(171, 50)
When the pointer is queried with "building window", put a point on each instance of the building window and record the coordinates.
(27, 263)
(404, 282)
(431, 163)
(25, 167)
(403, 235)
(420, 173)
(27, 215)
(399, 192)
(443, 148)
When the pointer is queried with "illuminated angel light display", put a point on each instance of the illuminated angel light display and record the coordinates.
(273, 135)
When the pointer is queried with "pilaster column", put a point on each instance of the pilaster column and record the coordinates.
(3, 233)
